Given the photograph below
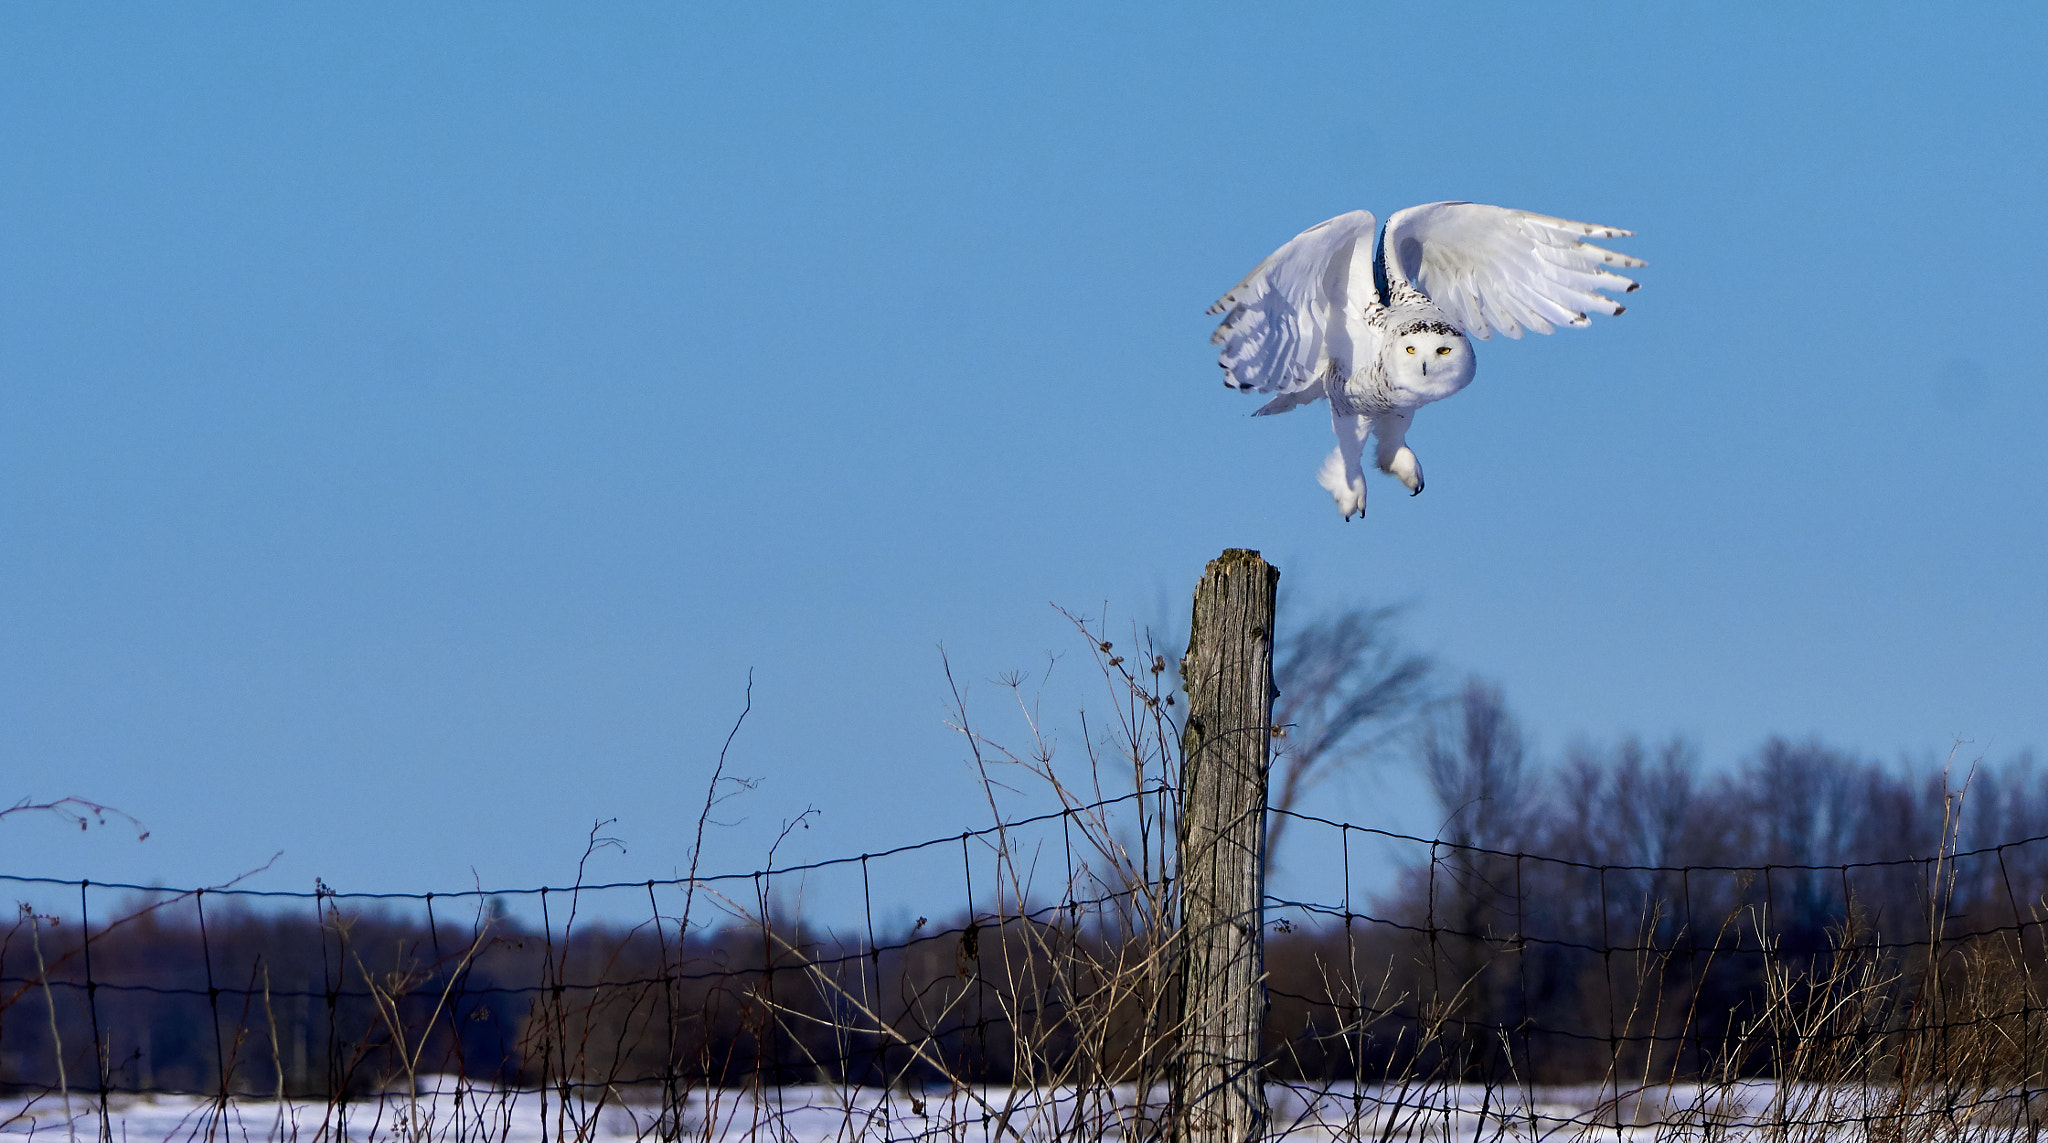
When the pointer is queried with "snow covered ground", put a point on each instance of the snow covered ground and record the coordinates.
(444, 1114)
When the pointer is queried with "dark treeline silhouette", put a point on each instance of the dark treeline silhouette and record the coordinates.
(1673, 915)
(354, 1001)
(348, 1002)
(1617, 912)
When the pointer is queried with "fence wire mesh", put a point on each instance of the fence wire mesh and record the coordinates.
(1478, 993)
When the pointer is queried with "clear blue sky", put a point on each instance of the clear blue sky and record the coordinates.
(415, 423)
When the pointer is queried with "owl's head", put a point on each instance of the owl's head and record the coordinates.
(1429, 359)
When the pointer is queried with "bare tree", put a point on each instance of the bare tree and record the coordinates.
(1626, 804)
(1347, 688)
(1474, 754)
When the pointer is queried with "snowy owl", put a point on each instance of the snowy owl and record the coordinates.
(1383, 330)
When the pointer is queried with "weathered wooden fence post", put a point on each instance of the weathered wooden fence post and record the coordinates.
(1219, 1087)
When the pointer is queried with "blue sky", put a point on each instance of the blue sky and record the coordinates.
(414, 424)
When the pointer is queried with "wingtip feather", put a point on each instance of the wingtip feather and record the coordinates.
(1585, 229)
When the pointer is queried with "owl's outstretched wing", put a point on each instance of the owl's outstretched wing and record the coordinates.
(1493, 269)
(1288, 318)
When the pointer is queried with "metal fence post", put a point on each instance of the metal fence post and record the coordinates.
(1219, 1089)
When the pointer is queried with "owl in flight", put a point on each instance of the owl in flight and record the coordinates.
(1383, 329)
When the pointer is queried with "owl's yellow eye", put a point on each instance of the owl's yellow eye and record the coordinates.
(1442, 349)
(1411, 349)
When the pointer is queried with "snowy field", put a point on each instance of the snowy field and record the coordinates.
(1739, 1112)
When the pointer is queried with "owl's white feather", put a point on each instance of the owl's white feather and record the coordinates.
(1494, 270)
(1277, 321)
(1381, 330)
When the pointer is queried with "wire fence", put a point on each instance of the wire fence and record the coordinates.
(1486, 994)
(1894, 998)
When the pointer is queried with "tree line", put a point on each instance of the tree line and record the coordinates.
(1618, 907)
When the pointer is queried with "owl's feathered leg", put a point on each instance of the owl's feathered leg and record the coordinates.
(1392, 454)
(1341, 473)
